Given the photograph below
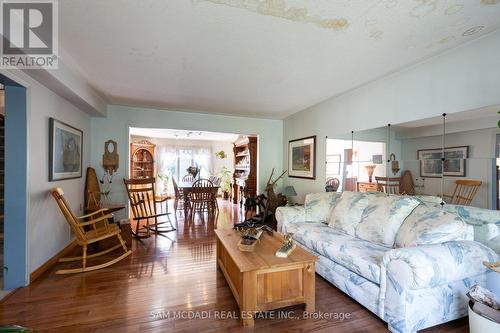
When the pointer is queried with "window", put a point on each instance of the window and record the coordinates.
(174, 161)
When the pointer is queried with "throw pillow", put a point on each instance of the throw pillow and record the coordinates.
(382, 218)
(431, 225)
(318, 206)
(347, 212)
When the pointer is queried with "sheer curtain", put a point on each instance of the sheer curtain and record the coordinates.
(173, 162)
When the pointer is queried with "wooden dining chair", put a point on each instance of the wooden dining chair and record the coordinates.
(464, 192)
(202, 198)
(215, 180)
(332, 184)
(179, 197)
(144, 205)
(388, 185)
(188, 178)
(98, 229)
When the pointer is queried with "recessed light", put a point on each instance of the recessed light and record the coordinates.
(473, 30)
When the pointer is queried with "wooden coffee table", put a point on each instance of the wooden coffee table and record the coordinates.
(259, 280)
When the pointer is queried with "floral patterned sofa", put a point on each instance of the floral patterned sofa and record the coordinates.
(406, 259)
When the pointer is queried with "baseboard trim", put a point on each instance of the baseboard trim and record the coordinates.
(52, 261)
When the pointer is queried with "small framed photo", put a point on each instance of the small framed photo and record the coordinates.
(302, 158)
(431, 165)
(66, 145)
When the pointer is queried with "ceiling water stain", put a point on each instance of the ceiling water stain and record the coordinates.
(446, 39)
(279, 8)
(424, 8)
(391, 3)
(490, 2)
(377, 34)
(453, 9)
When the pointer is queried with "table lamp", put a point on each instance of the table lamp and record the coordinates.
(289, 191)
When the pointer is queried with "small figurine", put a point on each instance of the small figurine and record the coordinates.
(286, 247)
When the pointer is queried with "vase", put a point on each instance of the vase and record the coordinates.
(369, 170)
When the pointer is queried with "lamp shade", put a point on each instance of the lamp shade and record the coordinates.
(289, 191)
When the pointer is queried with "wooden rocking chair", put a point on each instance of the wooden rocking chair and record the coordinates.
(143, 202)
(464, 192)
(97, 222)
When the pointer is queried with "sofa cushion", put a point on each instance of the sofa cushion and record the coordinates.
(349, 209)
(428, 200)
(431, 225)
(318, 206)
(357, 255)
(383, 217)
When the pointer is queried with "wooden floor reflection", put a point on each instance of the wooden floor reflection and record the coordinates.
(167, 276)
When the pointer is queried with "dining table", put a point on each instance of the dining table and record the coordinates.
(187, 188)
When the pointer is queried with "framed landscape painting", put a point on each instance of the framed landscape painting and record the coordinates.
(454, 164)
(66, 144)
(302, 158)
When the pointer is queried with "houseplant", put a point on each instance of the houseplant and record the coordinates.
(225, 181)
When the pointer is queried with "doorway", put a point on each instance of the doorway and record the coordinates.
(14, 185)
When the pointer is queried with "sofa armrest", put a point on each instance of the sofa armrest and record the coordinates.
(290, 214)
(429, 266)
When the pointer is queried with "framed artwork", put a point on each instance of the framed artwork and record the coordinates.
(454, 163)
(66, 145)
(302, 158)
(333, 164)
(377, 159)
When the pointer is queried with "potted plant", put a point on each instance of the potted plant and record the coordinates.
(225, 181)
(221, 154)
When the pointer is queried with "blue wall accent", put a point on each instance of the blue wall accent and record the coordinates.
(16, 187)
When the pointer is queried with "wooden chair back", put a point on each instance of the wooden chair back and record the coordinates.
(78, 230)
(141, 194)
(464, 192)
(389, 185)
(333, 183)
(177, 191)
(215, 180)
(188, 178)
(202, 191)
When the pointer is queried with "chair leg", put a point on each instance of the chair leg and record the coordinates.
(122, 242)
(84, 257)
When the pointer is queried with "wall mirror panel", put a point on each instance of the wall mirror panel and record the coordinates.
(411, 154)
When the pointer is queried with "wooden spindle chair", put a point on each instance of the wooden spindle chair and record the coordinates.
(332, 184)
(215, 180)
(98, 229)
(144, 205)
(388, 185)
(188, 178)
(179, 197)
(464, 192)
(202, 198)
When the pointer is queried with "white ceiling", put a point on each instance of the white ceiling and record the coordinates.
(266, 58)
(161, 133)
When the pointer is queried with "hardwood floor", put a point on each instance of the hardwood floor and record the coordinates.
(167, 274)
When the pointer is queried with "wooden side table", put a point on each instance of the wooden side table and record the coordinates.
(368, 187)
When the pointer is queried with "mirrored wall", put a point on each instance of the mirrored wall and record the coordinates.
(409, 158)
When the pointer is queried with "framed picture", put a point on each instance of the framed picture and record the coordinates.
(333, 164)
(66, 145)
(377, 159)
(302, 158)
(454, 163)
